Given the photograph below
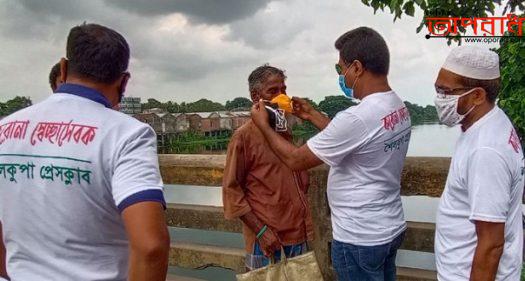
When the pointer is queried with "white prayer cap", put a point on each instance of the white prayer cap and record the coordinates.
(473, 62)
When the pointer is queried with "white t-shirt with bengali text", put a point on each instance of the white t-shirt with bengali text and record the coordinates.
(365, 147)
(68, 167)
(485, 183)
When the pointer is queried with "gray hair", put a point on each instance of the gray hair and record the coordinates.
(260, 74)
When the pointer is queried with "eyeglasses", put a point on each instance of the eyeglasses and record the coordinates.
(338, 69)
(446, 92)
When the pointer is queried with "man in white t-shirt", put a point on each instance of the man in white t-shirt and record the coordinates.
(365, 147)
(479, 222)
(80, 190)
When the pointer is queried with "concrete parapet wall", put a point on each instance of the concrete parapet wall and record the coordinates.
(421, 176)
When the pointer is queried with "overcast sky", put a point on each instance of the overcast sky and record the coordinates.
(184, 50)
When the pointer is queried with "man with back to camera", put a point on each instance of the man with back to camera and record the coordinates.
(479, 222)
(81, 197)
(268, 197)
(365, 147)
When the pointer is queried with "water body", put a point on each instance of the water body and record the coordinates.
(433, 140)
(427, 140)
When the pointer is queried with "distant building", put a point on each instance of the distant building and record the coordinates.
(182, 124)
(168, 123)
(151, 119)
(239, 118)
(154, 110)
(130, 105)
(206, 123)
(225, 124)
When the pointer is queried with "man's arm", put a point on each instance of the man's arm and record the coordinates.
(3, 269)
(296, 158)
(136, 186)
(489, 190)
(491, 239)
(305, 111)
(149, 241)
(269, 241)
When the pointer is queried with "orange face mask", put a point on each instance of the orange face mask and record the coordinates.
(284, 102)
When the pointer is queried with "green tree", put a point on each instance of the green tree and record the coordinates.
(331, 105)
(152, 103)
(238, 103)
(172, 107)
(204, 105)
(512, 95)
(421, 115)
(14, 105)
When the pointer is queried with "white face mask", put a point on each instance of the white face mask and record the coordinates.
(447, 108)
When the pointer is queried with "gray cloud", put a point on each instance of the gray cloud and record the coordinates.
(186, 50)
(205, 11)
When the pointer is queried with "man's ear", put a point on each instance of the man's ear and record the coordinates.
(359, 68)
(63, 70)
(479, 96)
(124, 83)
(255, 96)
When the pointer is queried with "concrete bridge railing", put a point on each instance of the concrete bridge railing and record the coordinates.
(421, 176)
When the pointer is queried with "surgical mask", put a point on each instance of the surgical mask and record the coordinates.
(447, 108)
(349, 92)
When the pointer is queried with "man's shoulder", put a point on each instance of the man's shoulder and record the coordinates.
(123, 119)
(126, 126)
(377, 107)
(498, 134)
(245, 130)
(352, 113)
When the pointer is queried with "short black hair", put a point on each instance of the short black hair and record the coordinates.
(97, 53)
(367, 46)
(53, 75)
(260, 74)
(491, 86)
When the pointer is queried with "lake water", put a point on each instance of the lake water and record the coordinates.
(427, 140)
(433, 140)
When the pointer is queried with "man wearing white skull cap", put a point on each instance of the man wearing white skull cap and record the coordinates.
(478, 226)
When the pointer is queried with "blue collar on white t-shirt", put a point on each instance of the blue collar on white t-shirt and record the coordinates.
(85, 92)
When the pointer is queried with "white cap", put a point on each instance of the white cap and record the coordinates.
(473, 62)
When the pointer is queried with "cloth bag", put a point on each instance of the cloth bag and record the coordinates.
(300, 268)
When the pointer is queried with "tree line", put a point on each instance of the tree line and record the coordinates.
(330, 105)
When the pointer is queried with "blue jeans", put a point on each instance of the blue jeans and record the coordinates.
(366, 263)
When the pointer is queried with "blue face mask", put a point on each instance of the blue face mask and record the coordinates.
(349, 92)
